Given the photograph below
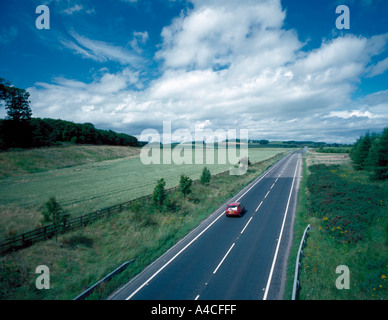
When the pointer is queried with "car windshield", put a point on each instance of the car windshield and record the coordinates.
(234, 208)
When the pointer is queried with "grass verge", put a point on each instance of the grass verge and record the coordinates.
(348, 215)
(80, 258)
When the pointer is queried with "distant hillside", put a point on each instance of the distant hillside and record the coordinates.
(37, 132)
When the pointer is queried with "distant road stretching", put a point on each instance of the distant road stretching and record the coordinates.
(228, 258)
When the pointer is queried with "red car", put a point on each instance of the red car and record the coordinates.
(235, 209)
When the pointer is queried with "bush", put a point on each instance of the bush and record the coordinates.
(206, 176)
(346, 208)
(185, 185)
(159, 194)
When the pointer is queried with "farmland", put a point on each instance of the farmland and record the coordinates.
(144, 231)
(89, 185)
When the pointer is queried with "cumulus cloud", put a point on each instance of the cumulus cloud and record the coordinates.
(228, 64)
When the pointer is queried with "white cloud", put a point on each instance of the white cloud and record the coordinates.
(379, 68)
(102, 51)
(139, 38)
(228, 64)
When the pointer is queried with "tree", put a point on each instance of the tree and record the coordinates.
(159, 194)
(16, 101)
(360, 151)
(377, 160)
(54, 213)
(205, 176)
(185, 185)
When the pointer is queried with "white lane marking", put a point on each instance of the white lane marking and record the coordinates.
(280, 237)
(259, 206)
(219, 265)
(246, 224)
(172, 259)
(196, 298)
(267, 194)
(260, 179)
(272, 185)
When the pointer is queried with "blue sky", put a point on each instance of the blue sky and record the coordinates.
(278, 68)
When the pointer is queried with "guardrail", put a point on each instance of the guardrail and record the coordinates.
(296, 285)
(88, 291)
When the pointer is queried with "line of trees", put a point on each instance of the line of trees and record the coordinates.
(20, 130)
(370, 153)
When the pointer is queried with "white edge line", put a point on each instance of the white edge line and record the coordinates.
(219, 265)
(280, 236)
(246, 225)
(174, 257)
(273, 167)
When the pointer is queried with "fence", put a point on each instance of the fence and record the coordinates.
(46, 232)
(296, 285)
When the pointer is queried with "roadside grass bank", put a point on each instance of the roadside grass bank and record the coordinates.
(89, 187)
(349, 218)
(27, 161)
(82, 257)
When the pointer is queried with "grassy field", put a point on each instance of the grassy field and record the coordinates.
(349, 218)
(82, 257)
(87, 186)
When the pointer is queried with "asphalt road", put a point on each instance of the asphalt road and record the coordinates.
(228, 258)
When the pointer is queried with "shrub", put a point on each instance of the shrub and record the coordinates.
(54, 213)
(159, 194)
(185, 185)
(206, 176)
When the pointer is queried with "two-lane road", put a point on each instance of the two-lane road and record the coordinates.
(227, 257)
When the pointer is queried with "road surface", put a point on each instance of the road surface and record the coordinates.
(228, 258)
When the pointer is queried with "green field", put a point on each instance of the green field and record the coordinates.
(90, 186)
(81, 257)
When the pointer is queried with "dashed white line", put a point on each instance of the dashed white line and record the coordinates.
(173, 258)
(280, 236)
(267, 194)
(259, 206)
(196, 298)
(219, 265)
(246, 225)
(203, 231)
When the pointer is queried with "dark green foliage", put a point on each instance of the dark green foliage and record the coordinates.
(360, 151)
(347, 208)
(159, 194)
(19, 130)
(185, 185)
(377, 160)
(16, 101)
(206, 176)
(38, 132)
(54, 212)
(370, 152)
